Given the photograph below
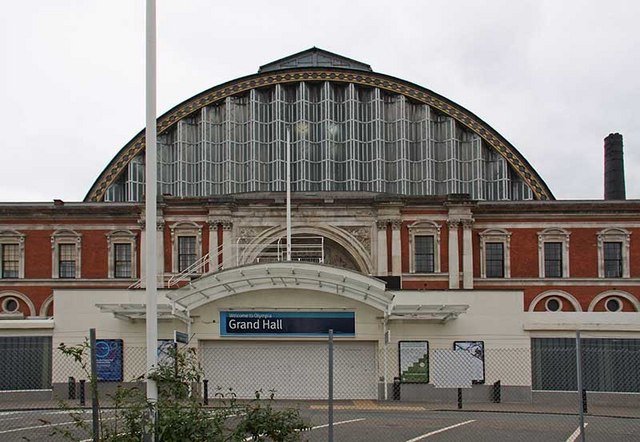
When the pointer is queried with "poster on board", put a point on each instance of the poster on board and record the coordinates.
(414, 361)
(476, 349)
(165, 351)
(109, 360)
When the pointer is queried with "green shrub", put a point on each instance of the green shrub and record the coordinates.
(180, 413)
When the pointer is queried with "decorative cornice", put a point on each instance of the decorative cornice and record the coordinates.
(417, 93)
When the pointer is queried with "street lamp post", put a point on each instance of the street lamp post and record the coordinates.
(150, 214)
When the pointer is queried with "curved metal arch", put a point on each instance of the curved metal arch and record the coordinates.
(340, 236)
(420, 94)
(283, 275)
(559, 294)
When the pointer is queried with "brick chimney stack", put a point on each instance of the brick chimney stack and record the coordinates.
(614, 187)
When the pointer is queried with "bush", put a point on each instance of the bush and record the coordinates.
(180, 413)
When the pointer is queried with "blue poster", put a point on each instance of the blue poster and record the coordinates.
(109, 360)
(287, 323)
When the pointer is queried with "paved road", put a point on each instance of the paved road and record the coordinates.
(390, 424)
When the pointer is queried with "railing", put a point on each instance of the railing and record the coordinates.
(140, 283)
(197, 268)
(245, 251)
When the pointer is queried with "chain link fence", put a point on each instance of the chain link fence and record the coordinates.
(401, 391)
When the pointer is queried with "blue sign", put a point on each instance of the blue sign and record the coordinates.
(109, 359)
(287, 323)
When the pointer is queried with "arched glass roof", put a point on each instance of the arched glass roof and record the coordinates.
(350, 129)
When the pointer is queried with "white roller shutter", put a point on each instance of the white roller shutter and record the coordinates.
(295, 370)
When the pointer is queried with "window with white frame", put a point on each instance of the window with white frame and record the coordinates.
(186, 252)
(495, 253)
(122, 251)
(424, 242)
(613, 253)
(424, 254)
(11, 254)
(186, 244)
(66, 254)
(553, 253)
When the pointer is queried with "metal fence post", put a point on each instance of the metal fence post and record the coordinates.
(579, 376)
(330, 385)
(94, 386)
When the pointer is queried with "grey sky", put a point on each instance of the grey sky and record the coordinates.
(553, 77)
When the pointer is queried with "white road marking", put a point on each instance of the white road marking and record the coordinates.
(338, 423)
(323, 426)
(576, 433)
(25, 412)
(58, 424)
(441, 430)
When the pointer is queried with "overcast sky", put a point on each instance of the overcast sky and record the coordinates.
(553, 77)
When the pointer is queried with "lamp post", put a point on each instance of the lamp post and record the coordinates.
(150, 214)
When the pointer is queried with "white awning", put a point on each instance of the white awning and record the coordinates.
(298, 275)
(428, 312)
(139, 311)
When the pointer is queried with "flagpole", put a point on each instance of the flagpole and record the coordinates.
(150, 212)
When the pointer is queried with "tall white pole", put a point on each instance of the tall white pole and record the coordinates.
(288, 194)
(151, 204)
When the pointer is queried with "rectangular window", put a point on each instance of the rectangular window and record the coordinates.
(612, 260)
(186, 252)
(10, 260)
(66, 260)
(553, 260)
(424, 254)
(495, 259)
(122, 260)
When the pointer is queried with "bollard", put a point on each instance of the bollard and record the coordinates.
(82, 391)
(584, 401)
(459, 398)
(496, 395)
(396, 389)
(205, 391)
(71, 383)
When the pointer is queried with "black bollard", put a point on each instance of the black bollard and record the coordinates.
(459, 398)
(497, 393)
(205, 391)
(71, 387)
(584, 401)
(82, 391)
(396, 389)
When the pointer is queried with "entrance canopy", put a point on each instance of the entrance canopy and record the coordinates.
(297, 275)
